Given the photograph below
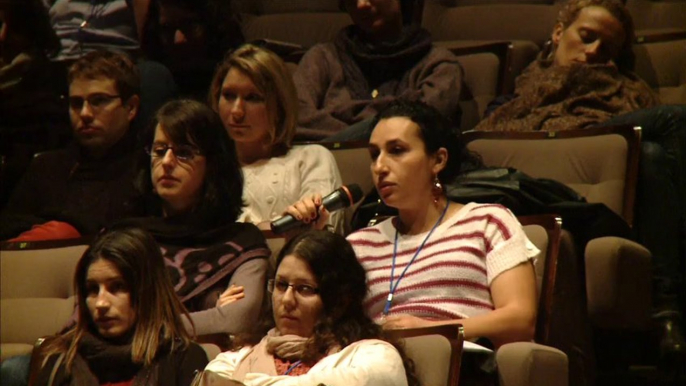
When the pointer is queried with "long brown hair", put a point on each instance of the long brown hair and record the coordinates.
(158, 310)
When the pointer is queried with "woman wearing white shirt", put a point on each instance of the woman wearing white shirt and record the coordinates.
(316, 330)
(253, 92)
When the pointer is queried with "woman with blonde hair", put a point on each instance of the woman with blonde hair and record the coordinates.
(129, 329)
(253, 93)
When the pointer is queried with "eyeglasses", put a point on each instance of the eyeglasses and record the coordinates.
(280, 287)
(96, 101)
(182, 152)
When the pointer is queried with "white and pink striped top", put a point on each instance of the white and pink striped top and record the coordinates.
(450, 278)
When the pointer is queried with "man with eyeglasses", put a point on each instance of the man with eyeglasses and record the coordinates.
(77, 190)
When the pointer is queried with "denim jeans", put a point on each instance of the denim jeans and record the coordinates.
(660, 220)
(14, 371)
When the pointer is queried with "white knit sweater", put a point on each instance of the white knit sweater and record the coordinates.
(273, 184)
(451, 276)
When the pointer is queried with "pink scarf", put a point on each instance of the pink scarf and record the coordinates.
(261, 358)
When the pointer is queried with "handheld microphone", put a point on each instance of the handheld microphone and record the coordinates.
(340, 198)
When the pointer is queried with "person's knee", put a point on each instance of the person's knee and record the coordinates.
(14, 371)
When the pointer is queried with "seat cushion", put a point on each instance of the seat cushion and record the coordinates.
(8, 350)
(25, 320)
(39, 273)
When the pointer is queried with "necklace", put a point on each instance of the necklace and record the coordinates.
(293, 366)
(394, 287)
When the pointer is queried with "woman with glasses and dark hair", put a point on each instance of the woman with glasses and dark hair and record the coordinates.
(129, 329)
(191, 185)
(316, 328)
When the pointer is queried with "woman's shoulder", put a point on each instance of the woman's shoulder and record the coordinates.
(372, 348)
(227, 362)
(309, 150)
(370, 232)
(474, 209)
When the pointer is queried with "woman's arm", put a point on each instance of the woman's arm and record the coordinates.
(365, 363)
(237, 316)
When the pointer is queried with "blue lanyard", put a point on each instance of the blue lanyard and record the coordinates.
(293, 366)
(392, 289)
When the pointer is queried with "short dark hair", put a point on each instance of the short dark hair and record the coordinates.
(189, 122)
(436, 131)
(110, 65)
(408, 8)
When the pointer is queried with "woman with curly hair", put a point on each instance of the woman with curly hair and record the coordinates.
(317, 329)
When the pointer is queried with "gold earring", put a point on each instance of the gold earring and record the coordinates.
(437, 189)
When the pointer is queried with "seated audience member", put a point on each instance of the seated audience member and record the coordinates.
(85, 26)
(129, 329)
(87, 184)
(191, 38)
(316, 331)
(383, 56)
(439, 260)
(585, 79)
(254, 94)
(33, 116)
(190, 185)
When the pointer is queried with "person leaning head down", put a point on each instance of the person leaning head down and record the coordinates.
(316, 326)
(129, 319)
(593, 32)
(582, 78)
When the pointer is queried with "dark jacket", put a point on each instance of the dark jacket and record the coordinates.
(66, 185)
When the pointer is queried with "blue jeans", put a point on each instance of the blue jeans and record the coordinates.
(14, 371)
(660, 220)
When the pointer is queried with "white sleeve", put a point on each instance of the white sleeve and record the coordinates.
(368, 363)
(319, 174)
(226, 363)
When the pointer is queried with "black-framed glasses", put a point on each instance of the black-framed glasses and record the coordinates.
(96, 101)
(181, 152)
(280, 287)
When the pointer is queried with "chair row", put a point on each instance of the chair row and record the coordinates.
(307, 22)
(31, 311)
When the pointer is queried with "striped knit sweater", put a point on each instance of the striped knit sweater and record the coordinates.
(450, 277)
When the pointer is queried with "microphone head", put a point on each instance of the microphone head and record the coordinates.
(355, 192)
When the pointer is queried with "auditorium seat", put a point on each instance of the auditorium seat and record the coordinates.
(651, 14)
(661, 62)
(37, 294)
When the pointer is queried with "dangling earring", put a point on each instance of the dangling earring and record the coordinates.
(437, 189)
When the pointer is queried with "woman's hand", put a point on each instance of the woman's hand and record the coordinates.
(310, 211)
(398, 321)
(232, 294)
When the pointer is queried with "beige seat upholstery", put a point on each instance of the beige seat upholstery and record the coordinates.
(529, 363)
(661, 62)
(657, 14)
(435, 351)
(602, 166)
(36, 296)
(532, 22)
